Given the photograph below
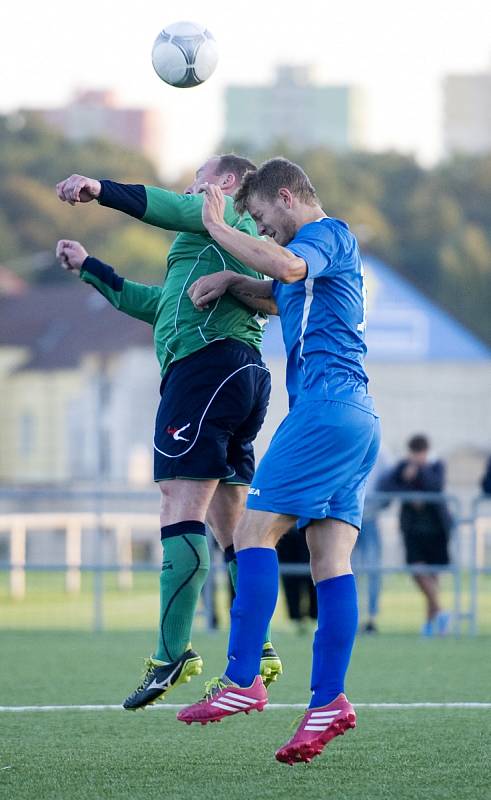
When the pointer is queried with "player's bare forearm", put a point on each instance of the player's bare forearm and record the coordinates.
(264, 256)
(254, 293)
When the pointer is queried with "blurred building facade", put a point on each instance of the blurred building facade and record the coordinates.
(78, 389)
(297, 110)
(79, 383)
(467, 113)
(97, 114)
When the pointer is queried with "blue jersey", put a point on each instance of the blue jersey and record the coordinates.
(323, 317)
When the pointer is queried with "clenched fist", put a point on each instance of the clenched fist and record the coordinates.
(78, 189)
(71, 255)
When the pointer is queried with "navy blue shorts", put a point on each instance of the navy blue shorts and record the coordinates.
(213, 403)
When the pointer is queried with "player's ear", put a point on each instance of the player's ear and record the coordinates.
(286, 197)
(227, 181)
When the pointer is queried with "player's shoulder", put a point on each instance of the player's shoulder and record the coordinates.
(324, 229)
(330, 227)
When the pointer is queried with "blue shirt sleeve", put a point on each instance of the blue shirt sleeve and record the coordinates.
(317, 246)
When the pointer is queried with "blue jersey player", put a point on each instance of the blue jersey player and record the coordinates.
(319, 459)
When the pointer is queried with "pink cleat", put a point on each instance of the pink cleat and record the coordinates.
(223, 700)
(317, 728)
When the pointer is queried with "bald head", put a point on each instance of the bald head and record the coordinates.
(225, 171)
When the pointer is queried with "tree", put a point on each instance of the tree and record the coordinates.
(431, 225)
(33, 219)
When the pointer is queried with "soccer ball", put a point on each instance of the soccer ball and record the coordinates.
(184, 54)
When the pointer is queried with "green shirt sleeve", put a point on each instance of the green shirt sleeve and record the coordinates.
(168, 210)
(135, 299)
(182, 212)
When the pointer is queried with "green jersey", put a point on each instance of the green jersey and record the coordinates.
(178, 327)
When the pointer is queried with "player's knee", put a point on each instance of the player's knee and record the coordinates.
(186, 551)
(248, 537)
(188, 566)
(330, 564)
(203, 562)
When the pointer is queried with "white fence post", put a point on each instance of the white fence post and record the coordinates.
(18, 558)
(73, 555)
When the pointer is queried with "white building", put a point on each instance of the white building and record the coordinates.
(78, 388)
(296, 110)
(99, 115)
(79, 383)
(467, 113)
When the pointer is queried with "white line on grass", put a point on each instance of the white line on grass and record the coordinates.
(270, 707)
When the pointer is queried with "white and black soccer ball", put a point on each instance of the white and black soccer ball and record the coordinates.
(184, 54)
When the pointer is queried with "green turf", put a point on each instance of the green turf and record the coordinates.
(46, 605)
(421, 754)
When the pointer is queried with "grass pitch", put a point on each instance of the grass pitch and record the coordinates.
(422, 753)
(47, 606)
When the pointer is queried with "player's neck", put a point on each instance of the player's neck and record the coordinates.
(309, 214)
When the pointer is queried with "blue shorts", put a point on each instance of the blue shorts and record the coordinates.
(213, 403)
(318, 463)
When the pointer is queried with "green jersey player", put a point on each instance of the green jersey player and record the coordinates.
(214, 394)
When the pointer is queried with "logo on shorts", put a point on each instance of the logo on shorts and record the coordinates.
(175, 433)
(254, 491)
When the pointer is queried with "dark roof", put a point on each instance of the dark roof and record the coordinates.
(60, 323)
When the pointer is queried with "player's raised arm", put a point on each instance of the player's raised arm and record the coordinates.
(150, 204)
(135, 299)
(254, 293)
(264, 256)
(162, 208)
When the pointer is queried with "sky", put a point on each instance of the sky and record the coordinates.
(398, 52)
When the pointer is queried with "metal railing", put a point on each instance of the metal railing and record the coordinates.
(102, 512)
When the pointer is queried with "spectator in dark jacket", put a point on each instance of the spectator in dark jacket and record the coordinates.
(425, 526)
(300, 594)
(486, 481)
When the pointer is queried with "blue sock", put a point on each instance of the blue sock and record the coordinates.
(255, 601)
(334, 638)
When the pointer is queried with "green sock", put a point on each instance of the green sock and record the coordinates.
(232, 571)
(184, 570)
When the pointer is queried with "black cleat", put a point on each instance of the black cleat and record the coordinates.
(159, 678)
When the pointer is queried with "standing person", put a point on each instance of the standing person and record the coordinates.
(214, 394)
(368, 549)
(425, 526)
(317, 464)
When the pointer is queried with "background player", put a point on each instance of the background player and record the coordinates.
(316, 467)
(214, 394)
